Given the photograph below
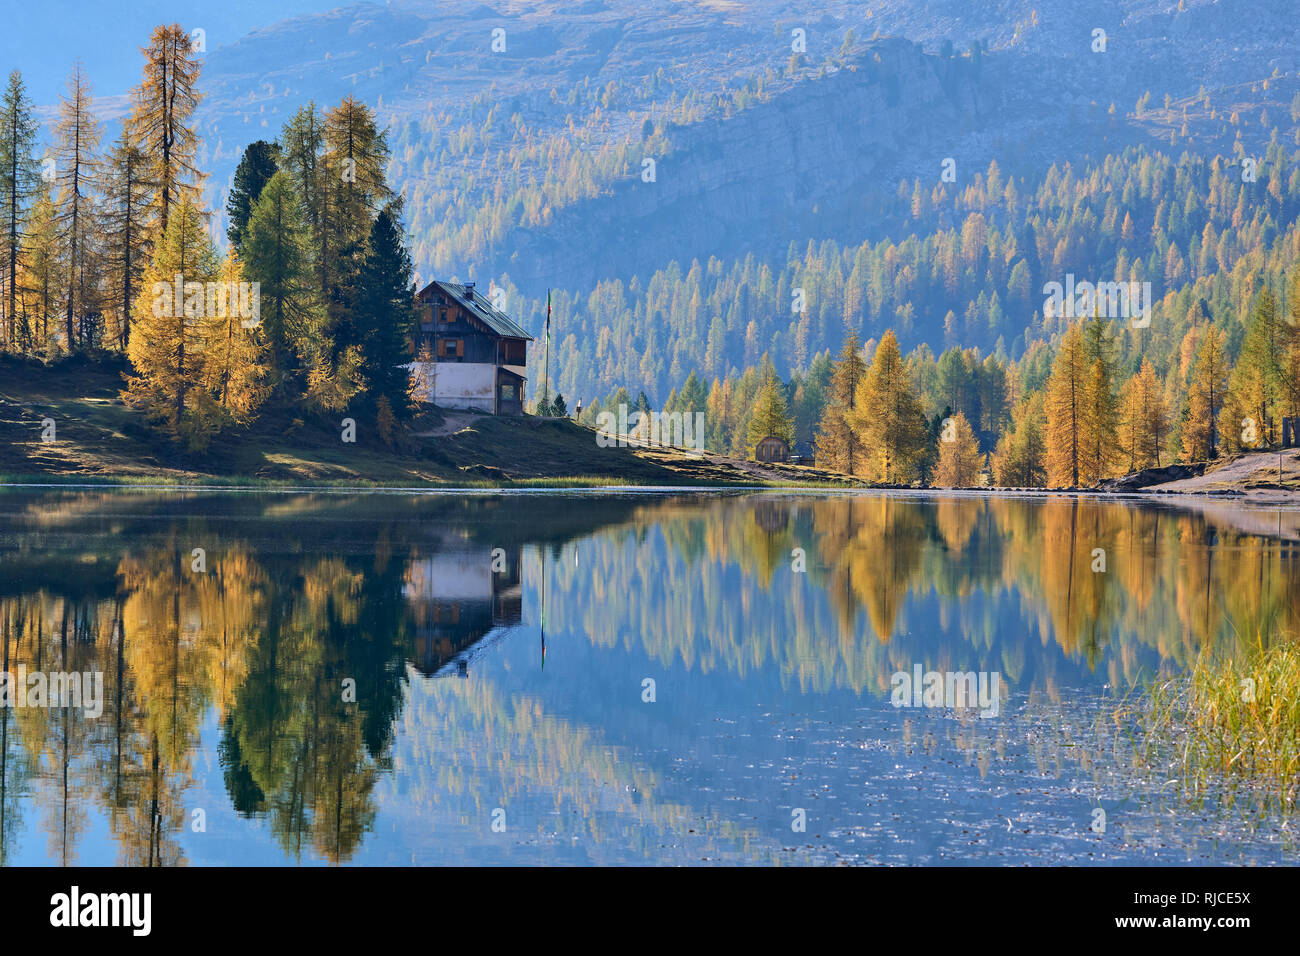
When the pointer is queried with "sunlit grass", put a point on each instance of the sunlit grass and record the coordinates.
(359, 482)
(1231, 723)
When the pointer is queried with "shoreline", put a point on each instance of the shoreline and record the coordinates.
(1269, 498)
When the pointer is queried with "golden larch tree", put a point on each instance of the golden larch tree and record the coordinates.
(838, 446)
(1205, 397)
(76, 137)
(1099, 445)
(960, 461)
(167, 349)
(1066, 404)
(888, 418)
(161, 119)
(1144, 423)
(1020, 459)
(236, 363)
(771, 415)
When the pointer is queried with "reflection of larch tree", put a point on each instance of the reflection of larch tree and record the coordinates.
(292, 745)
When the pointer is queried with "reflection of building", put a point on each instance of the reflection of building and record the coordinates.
(772, 448)
(456, 600)
(771, 516)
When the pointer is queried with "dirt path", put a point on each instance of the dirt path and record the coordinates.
(710, 466)
(748, 467)
(452, 422)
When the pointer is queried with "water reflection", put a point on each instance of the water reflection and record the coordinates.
(335, 678)
(458, 598)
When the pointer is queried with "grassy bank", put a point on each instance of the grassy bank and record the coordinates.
(100, 440)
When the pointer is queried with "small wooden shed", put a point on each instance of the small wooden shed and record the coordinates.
(772, 448)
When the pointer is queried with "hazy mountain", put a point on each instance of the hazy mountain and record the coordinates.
(793, 166)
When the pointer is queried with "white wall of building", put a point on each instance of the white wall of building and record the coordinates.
(452, 576)
(466, 385)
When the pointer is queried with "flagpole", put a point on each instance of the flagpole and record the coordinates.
(546, 375)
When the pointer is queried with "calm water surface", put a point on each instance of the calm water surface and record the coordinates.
(610, 678)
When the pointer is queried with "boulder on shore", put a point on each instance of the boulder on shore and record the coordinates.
(1152, 476)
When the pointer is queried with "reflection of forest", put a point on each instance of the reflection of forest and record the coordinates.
(304, 593)
(956, 582)
(300, 595)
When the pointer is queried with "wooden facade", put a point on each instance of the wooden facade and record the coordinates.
(771, 448)
(457, 326)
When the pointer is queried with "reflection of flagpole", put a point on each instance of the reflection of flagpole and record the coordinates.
(543, 628)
